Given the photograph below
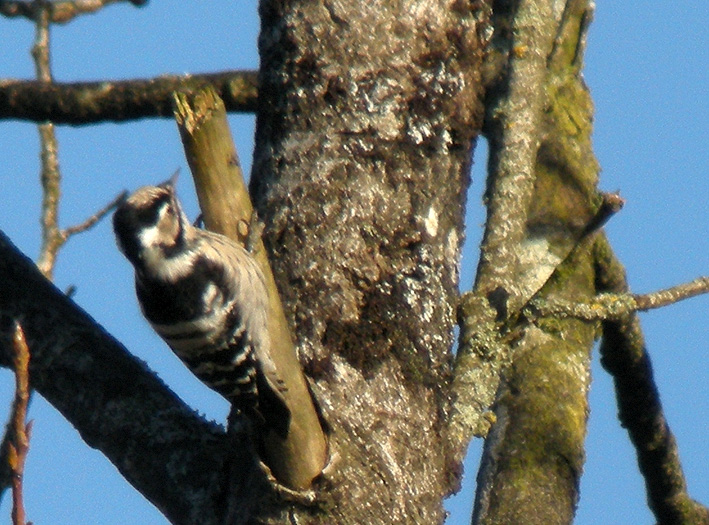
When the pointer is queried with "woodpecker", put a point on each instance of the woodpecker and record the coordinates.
(206, 297)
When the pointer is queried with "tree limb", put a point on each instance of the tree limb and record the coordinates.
(512, 129)
(53, 238)
(166, 451)
(533, 456)
(625, 357)
(615, 306)
(225, 204)
(483, 353)
(49, 155)
(61, 11)
(90, 222)
(118, 101)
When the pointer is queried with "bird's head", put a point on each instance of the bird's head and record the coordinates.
(150, 224)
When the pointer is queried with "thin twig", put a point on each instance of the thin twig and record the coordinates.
(50, 175)
(671, 295)
(96, 217)
(61, 12)
(56, 241)
(616, 306)
(52, 236)
(20, 431)
(51, 192)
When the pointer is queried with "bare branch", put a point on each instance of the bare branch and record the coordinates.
(91, 102)
(614, 306)
(50, 205)
(513, 122)
(96, 217)
(53, 237)
(20, 441)
(163, 448)
(513, 127)
(611, 203)
(50, 175)
(548, 190)
(61, 11)
(624, 356)
(672, 295)
(225, 204)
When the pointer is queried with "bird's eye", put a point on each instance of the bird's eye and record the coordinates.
(153, 214)
(148, 215)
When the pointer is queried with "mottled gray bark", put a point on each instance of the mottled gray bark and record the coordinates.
(367, 114)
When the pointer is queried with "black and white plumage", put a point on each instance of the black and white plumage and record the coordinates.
(206, 297)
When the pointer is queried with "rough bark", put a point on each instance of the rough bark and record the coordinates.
(367, 113)
(533, 456)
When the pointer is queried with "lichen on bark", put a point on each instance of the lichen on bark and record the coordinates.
(367, 115)
(534, 456)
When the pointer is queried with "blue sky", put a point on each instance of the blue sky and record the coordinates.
(646, 66)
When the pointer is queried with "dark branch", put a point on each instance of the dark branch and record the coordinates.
(624, 356)
(611, 203)
(119, 101)
(165, 450)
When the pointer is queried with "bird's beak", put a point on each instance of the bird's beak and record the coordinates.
(171, 183)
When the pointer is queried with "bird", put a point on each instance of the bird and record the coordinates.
(206, 297)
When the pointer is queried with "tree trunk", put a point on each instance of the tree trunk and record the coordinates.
(367, 116)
